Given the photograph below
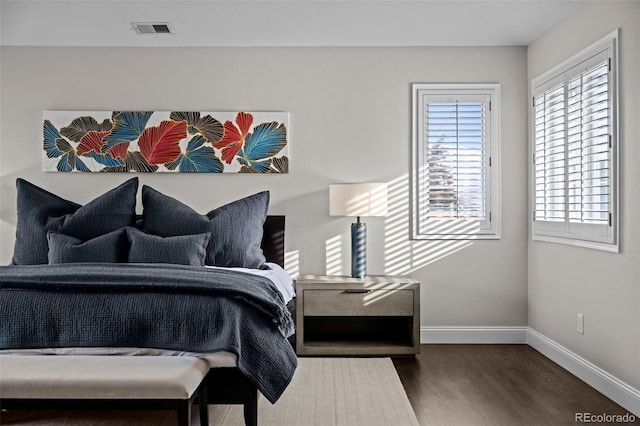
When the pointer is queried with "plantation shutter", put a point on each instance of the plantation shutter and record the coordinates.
(549, 154)
(574, 169)
(588, 133)
(455, 159)
(455, 171)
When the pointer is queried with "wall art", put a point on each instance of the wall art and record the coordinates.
(163, 141)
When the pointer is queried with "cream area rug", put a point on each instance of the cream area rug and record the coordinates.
(333, 392)
(323, 392)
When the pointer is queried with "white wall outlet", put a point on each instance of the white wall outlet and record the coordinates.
(580, 323)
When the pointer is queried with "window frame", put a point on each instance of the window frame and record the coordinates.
(567, 232)
(491, 228)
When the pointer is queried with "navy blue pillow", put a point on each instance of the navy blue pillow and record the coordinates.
(108, 248)
(180, 250)
(40, 211)
(236, 228)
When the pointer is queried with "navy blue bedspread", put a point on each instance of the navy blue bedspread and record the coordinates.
(151, 305)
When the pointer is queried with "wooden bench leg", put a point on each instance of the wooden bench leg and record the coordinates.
(184, 412)
(204, 405)
(229, 386)
(251, 409)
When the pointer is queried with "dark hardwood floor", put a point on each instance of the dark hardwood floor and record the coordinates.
(511, 385)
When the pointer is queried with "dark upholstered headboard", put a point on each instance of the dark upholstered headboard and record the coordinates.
(273, 239)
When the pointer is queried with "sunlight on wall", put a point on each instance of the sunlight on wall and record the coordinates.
(401, 254)
(292, 263)
(333, 247)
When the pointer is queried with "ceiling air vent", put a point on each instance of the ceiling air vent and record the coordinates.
(152, 27)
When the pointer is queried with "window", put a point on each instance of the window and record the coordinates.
(575, 150)
(455, 163)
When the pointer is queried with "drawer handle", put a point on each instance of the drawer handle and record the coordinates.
(357, 291)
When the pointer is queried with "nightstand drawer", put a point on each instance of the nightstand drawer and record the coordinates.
(358, 302)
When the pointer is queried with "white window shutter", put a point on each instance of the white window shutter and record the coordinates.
(588, 133)
(574, 143)
(550, 155)
(456, 154)
(456, 161)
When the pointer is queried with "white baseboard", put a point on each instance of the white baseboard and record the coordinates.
(614, 388)
(474, 335)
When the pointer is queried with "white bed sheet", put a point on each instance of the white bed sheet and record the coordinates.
(275, 273)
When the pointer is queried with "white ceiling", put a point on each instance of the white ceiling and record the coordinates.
(281, 23)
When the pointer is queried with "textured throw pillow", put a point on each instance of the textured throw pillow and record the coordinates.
(40, 211)
(236, 228)
(180, 250)
(107, 248)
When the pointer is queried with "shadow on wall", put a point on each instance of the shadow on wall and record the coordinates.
(402, 255)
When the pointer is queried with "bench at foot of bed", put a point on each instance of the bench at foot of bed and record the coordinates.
(99, 382)
(230, 386)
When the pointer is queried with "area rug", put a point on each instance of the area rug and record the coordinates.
(324, 392)
(333, 392)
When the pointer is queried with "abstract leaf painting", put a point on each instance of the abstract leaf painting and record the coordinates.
(162, 141)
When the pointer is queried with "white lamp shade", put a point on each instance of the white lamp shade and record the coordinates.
(358, 199)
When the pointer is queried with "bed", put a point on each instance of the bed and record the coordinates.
(210, 286)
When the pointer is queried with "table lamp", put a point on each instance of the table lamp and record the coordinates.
(358, 199)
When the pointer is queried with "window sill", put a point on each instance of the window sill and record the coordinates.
(612, 248)
(455, 237)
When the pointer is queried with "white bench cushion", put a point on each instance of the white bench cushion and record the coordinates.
(100, 377)
(215, 359)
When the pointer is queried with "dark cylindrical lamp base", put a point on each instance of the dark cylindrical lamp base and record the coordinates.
(358, 250)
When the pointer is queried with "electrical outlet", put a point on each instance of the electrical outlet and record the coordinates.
(580, 323)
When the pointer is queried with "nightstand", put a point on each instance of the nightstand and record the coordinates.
(373, 316)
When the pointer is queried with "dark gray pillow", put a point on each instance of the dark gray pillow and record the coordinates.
(236, 228)
(180, 250)
(40, 211)
(107, 248)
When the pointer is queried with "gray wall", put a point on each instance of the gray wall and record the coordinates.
(350, 121)
(564, 280)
